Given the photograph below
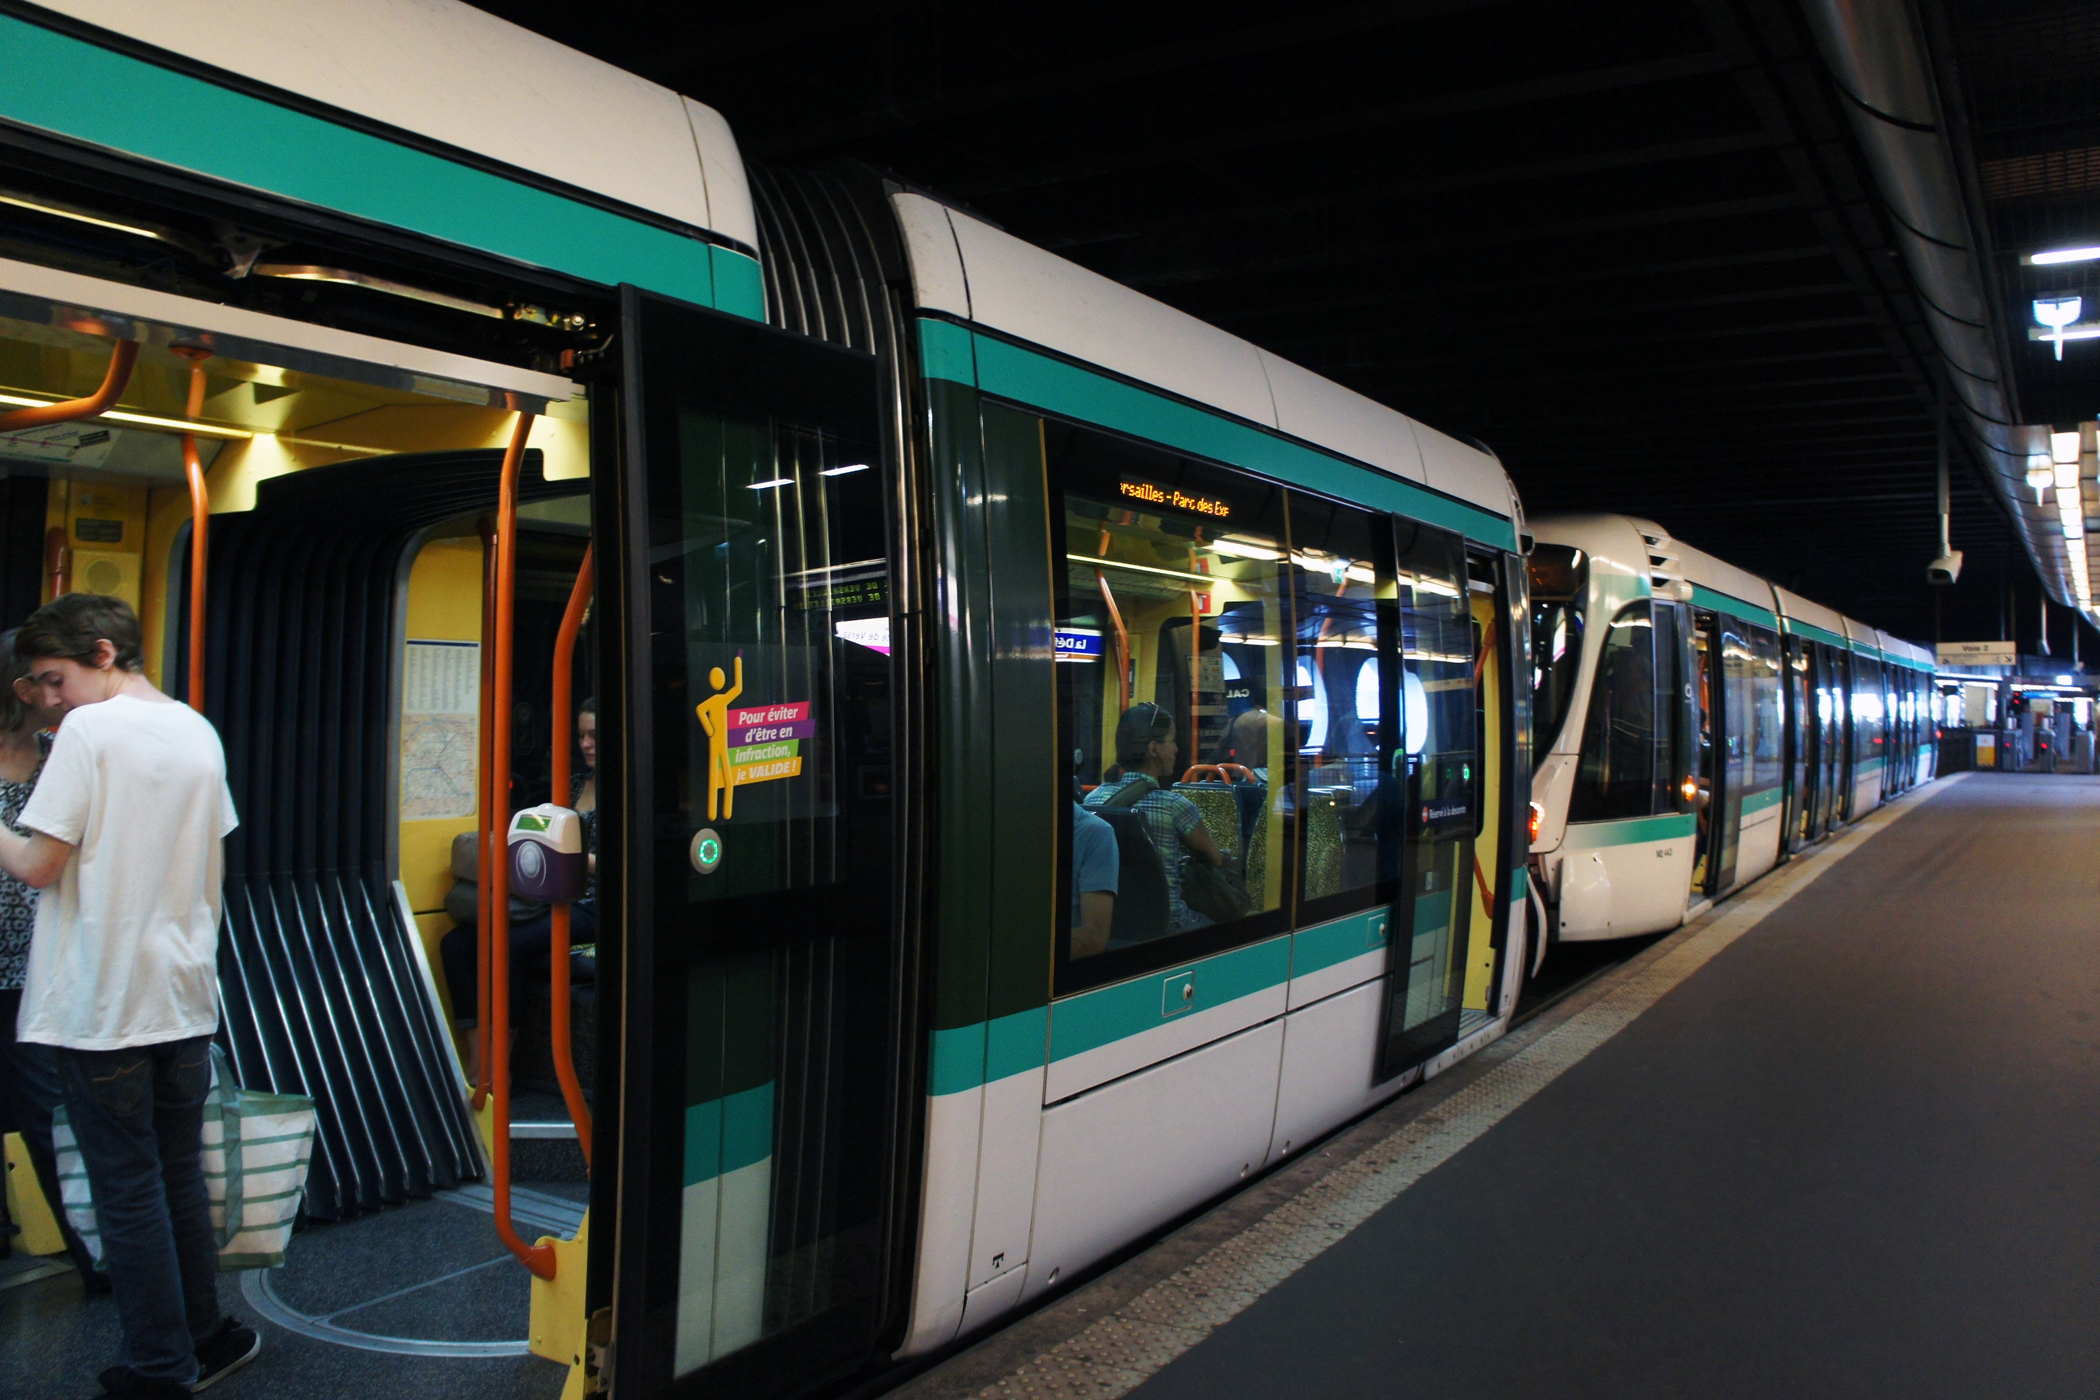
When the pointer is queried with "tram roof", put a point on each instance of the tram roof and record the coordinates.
(479, 86)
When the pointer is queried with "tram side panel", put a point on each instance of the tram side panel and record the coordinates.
(1086, 1089)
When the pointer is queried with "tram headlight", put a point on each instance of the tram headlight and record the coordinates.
(1538, 818)
(1690, 788)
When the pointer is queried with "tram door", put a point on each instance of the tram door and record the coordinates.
(758, 1101)
(1800, 729)
(1705, 721)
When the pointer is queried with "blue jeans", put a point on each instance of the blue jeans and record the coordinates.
(138, 1116)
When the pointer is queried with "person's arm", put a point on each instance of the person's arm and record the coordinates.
(35, 859)
(1097, 913)
(1201, 842)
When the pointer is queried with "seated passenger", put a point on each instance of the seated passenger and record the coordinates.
(531, 941)
(1247, 742)
(1095, 866)
(1146, 753)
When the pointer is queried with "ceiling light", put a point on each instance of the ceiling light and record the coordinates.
(77, 216)
(2061, 255)
(842, 471)
(2041, 472)
(769, 485)
(146, 420)
(2057, 313)
(2063, 447)
(1103, 562)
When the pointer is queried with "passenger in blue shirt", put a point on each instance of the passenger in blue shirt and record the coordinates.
(1095, 864)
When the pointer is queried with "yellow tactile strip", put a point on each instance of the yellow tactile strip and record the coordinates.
(1110, 1348)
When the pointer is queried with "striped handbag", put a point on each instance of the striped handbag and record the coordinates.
(256, 1150)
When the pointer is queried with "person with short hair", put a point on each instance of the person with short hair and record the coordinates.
(126, 841)
(28, 1071)
(1146, 750)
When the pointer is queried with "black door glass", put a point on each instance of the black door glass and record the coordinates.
(767, 960)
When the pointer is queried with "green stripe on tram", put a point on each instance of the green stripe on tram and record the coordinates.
(1705, 597)
(1759, 801)
(1629, 831)
(58, 83)
(1798, 628)
(1015, 372)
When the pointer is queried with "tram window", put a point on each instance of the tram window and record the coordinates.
(1174, 686)
(1558, 575)
(1768, 712)
(1617, 774)
(1868, 721)
(779, 555)
(1352, 708)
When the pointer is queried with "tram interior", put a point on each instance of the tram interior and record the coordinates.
(328, 488)
(1270, 636)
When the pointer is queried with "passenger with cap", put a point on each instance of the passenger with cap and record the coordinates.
(1147, 753)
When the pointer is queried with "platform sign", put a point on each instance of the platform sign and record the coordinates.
(1077, 644)
(1979, 653)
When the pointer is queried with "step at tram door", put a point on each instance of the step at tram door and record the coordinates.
(758, 1098)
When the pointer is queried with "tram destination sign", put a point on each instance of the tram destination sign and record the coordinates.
(1979, 653)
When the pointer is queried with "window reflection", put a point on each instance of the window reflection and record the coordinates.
(1172, 693)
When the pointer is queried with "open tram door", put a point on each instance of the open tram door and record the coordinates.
(754, 1164)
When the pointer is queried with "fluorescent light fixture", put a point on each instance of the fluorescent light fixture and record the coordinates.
(2040, 473)
(2067, 475)
(1244, 549)
(2063, 447)
(769, 485)
(2061, 255)
(146, 420)
(1093, 561)
(2058, 313)
(843, 471)
(2067, 680)
(58, 211)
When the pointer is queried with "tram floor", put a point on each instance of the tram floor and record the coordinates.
(1833, 1138)
(420, 1298)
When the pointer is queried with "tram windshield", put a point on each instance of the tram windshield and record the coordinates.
(1558, 575)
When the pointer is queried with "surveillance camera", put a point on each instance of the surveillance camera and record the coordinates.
(1945, 569)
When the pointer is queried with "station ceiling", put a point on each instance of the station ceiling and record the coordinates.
(1630, 244)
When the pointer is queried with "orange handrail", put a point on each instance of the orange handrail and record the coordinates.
(200, 522)
(114, 381)
(1115, 618)
(485, 806)
(58, 558)
(496, 875)
(1224, 771)
(558, 915)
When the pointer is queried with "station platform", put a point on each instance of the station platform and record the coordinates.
(1836, 1137)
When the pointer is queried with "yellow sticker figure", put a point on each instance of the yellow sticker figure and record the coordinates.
(714, 719)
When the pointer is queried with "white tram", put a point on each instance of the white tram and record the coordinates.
(1696, 725)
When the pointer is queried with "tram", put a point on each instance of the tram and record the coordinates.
(415, 378)
(1696, 725)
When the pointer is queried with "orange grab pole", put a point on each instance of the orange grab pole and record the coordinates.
(558, 916)
(537, 1258)
(200, 523)
(114, 382)
(485, 807)
(58, 558)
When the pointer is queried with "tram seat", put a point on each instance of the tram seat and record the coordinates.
(1325, 807)
(1141, 883)
(1221, 814)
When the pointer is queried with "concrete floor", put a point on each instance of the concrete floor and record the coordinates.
(1856, 1154)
